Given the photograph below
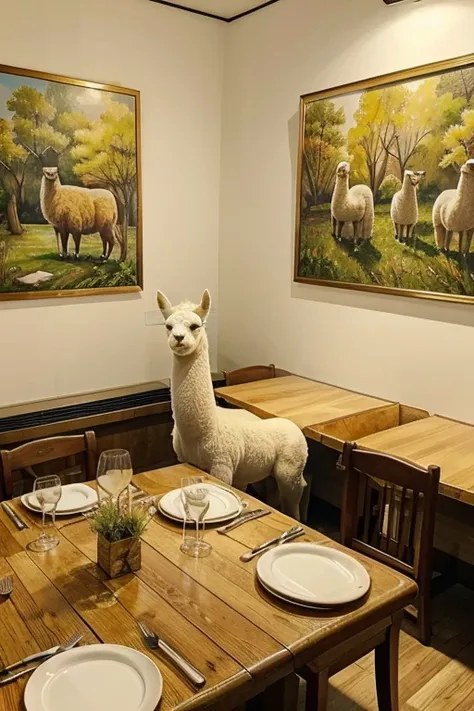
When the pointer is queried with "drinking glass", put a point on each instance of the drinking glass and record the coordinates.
(195, 498)
(48, 493)
(114, 474)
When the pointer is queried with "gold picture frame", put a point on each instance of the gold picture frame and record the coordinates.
(419, 121)
(68, 142)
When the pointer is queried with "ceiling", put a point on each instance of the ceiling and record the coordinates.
(226, 10)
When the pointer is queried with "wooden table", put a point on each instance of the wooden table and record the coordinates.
(304, 401)
(212, 609)
(434, 440)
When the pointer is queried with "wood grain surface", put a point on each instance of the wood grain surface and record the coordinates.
(212, 609)
(305, 402)
(434, 440)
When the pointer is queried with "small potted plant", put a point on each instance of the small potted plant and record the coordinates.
(119, 532)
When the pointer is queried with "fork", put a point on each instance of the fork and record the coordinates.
(6, 586)
(39, 658)
(289, 535)
(154, 642)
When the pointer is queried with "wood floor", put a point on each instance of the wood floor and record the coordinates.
(436, 678)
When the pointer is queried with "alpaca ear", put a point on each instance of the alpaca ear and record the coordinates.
(164, 304)
(204, 307)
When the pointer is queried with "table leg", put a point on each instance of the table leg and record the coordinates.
(386, 667)
(281, 696)
(317, 687)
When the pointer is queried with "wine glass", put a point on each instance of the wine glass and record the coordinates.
(48, 492)
(195, 498)
(114, 473)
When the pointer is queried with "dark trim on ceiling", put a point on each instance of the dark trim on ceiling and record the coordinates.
(210, 14)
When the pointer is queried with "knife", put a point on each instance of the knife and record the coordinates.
(31, 658)
(13, 516)
(294, 532)
(249, 516)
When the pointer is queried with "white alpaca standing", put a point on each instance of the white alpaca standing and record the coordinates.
(404, 207)
(453, 211)
(236, 449)
(354, 205)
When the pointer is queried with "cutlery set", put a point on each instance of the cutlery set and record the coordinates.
(38, 659)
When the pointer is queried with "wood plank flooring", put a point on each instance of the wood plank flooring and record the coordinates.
(436, 678)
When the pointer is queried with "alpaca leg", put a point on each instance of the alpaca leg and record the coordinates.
(77, 244)
(440, 234)
(396, 227)
(449, 237)
(410, 235)
(355, 227)
(290, 482)
(305, 498)
(469, 234)
(58, 241)
(461, 238)
(64, 240)
(340, 227)
(333, 226)
(107, 236)
(222, 472)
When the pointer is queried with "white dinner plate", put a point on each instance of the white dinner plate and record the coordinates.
(224, 504)
(313, 574)
(293, 602)
(74, 499)
(96, 677)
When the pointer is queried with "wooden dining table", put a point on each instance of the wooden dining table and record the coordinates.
(305, 402)
(436, 440)
(246, 642)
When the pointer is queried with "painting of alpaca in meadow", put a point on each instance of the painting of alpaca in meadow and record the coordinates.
(385, 192)
(70, 202)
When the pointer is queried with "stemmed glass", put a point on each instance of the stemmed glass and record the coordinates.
(114, 473)
(48, 493)
(195, 498)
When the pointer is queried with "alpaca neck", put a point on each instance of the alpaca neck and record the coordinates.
(49, 188)
(408, 189)
(465, 188)
(341, 189)
(192, 394)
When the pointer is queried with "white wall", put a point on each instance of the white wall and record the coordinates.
(415, 351)
(56, 347)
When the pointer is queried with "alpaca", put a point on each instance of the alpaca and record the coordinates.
(453, 211)
(78, 211)
(404, 207)
(354, 205)
(236, 449)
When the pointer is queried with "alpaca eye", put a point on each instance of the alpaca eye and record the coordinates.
(194, 327)
(168, 326)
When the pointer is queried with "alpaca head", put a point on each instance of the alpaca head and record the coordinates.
(343, 169)
(468, 167)
(184, 322)
(51, 174)
(414, 176)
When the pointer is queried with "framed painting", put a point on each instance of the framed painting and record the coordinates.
(385, 191)
(70, 192)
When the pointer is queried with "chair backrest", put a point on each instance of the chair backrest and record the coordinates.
(31, 454)
(389, 509)
(251, 373)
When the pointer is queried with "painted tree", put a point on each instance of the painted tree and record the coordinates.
(459, 141)
(378, 117)
(323, 141)
(13, 160)
(106, 157)
(32, 116)
(459, 83)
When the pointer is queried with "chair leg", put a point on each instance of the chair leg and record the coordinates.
(424, 618)
(317, 686)
(386, 668)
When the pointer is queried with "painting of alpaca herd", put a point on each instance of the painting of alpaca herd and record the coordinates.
(70, 202)
(385, 193)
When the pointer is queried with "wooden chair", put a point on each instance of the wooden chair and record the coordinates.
(253, 372)
(29, 455)
(388, 513)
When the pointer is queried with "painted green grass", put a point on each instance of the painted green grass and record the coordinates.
(383, 261)
(36, 250)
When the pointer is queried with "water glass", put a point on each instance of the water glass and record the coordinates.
(195, 499)
(114, 474)
(48, 493)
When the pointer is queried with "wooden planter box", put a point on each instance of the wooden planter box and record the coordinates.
(119, 557)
